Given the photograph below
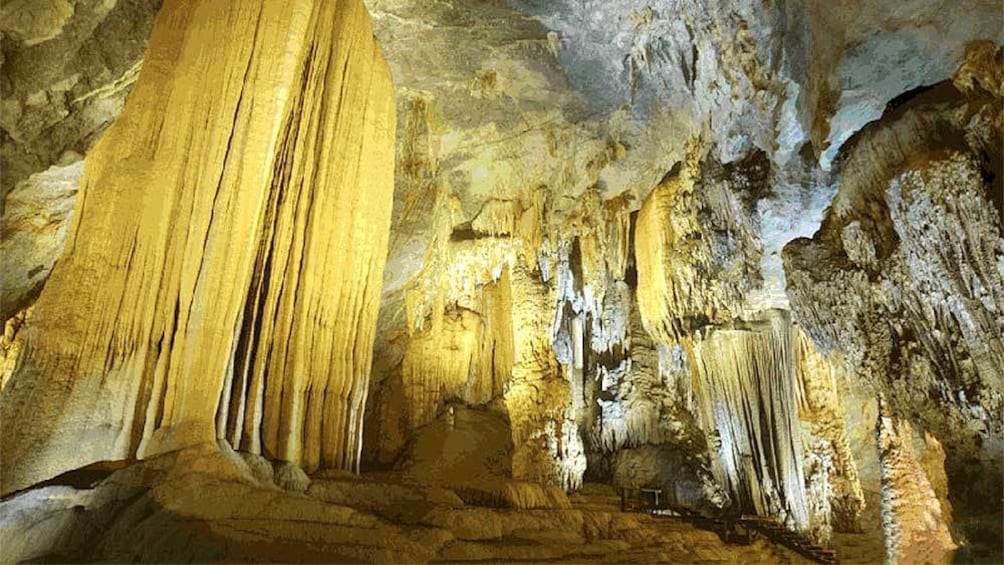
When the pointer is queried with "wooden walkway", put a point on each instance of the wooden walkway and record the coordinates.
(742, 529)
(778, 533)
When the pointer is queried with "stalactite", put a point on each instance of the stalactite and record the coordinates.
(465, 356)
(744, 384)
(208, 288)
(642, 400)
(548, 448)
(696, 252)
(497, 218)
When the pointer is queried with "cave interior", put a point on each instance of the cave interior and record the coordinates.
(410, 281)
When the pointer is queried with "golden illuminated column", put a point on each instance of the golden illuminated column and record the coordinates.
(547, 445)
(222, 274)
(913, 520)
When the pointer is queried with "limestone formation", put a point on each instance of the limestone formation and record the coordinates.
(916, 530)
(595, 280)
(902, 283)
(213, 228)
(67, 68)
(34, 225)
(166, 501)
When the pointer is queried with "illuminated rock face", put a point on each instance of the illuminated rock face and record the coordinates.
(832, 479)
(769, 404)
(912, 516)
(902, 286)
(697, 250)
(745, 393)
(582, 213)
(222, 271)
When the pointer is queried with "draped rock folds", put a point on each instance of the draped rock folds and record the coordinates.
(207, 289)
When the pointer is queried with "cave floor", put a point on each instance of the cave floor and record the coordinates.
(199, 505)
(868, 546)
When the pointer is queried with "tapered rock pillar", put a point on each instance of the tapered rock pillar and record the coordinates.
(913, 520)
(222, 274)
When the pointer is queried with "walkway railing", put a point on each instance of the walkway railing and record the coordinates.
(741, 529)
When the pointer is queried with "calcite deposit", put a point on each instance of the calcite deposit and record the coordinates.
(400, 281)
(198, 252)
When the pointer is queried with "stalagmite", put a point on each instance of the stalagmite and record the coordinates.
(548, 448)
(644, 399)
(912, 516)
(222, 272)
(401, 281)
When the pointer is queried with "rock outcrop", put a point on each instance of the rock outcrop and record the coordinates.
(202, 504)
(902, 285)
(32, 231)
(68, 66)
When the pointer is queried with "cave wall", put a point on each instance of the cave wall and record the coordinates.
(66, 68)
(589, 197)
(902, 284)
(493, 180)
(205, 290)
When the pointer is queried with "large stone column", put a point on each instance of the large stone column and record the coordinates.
(222, 272)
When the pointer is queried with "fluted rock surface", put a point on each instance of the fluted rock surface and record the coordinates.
(745, 394)
(207, 288)
(697, 254)
(584, 260)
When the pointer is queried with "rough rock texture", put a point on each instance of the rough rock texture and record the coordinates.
(11, 344)
(583, 270)
(912, 517)
(767, 75)
(288, 476)
(67, 68)
(208, 249)
(195, 505)
(32, 231)
(903, 287)
(861, 56)
(201, 504)
(697, 255)
(831, 466)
